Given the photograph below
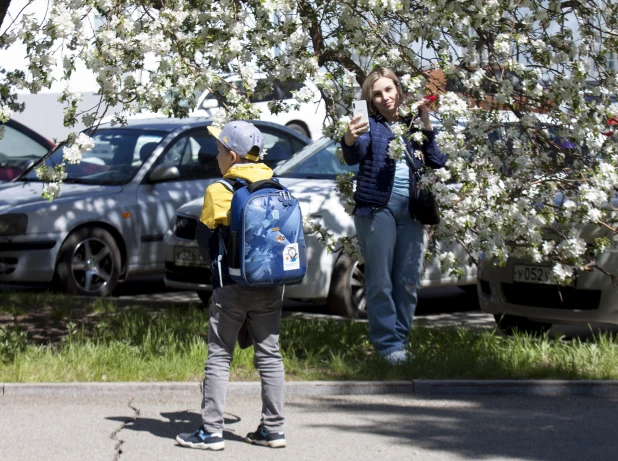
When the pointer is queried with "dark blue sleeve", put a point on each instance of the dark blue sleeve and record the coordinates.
(433, 157)
(356, 153)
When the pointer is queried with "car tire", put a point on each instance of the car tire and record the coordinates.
(299, 128)
(204, 297)
(347, 296)
(89, 263)
(510, 324)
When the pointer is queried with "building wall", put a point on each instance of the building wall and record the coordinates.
(44, 114)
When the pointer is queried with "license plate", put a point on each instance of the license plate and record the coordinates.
(188, 257)
(532, 274)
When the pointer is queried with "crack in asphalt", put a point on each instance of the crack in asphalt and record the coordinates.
(113, 435)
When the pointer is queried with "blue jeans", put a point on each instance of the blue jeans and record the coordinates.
(392, 244)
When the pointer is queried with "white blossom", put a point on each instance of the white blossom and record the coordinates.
(5, 113)
(72, 154)
(506, 190)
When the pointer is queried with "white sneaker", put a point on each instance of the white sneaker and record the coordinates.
(397, 357)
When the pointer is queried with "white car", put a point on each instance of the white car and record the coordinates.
(522, 295)
(331, 277)
(307, 119)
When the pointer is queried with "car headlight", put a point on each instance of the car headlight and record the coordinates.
(13, 224)
(185, 227)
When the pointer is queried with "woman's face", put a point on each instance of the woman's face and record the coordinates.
(385, 97)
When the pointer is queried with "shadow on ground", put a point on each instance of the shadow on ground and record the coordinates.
(174, 423)
(477, 427)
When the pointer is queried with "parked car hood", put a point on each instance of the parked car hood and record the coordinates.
(23, 193)
(194, 207)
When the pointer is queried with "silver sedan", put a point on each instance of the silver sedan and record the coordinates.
(116, 205)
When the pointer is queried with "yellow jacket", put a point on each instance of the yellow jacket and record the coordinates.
(218, 198)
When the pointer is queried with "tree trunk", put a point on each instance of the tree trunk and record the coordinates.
(4, 7)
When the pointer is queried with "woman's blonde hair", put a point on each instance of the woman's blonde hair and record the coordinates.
(373, 76)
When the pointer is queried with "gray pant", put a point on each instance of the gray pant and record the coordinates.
(261, 307)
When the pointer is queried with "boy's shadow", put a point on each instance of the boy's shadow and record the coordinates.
(177, 423)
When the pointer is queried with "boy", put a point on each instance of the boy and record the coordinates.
(239, 147)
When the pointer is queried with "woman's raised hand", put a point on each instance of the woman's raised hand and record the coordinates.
(355, 129)
(423, 111)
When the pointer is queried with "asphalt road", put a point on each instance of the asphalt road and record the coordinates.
(358, 427)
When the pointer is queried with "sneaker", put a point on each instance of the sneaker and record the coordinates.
(202, 440)
(266, 439)
(398, 357)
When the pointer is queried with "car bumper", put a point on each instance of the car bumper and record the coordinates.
(185, 277)
(314, 286)
(29, 258)
(593, 298)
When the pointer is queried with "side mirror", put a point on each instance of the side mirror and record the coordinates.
(164, 173)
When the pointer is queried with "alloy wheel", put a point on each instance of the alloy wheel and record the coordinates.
(92, 265)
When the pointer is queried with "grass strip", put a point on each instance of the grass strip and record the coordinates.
(53, 338)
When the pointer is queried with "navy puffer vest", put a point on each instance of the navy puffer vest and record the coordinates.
(377, 170)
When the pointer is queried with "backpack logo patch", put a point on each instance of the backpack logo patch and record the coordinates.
(291, 261)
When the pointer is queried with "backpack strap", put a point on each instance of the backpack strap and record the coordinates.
(264, 184)
(232, 184)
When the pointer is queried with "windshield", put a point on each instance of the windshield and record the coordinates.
(115, 159)
(317, 161)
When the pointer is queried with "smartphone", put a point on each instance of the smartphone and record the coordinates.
(360, 108)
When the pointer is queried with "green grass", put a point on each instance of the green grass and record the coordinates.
(52, 338)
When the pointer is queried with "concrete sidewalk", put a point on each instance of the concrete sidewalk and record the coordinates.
(141, 425)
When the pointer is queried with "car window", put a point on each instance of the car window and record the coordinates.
(116, 157)
(278, 147)
(284, 90)
(16, 145)
(322, 164)
(194, 154)
(17, 152)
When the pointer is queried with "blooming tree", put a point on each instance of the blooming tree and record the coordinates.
(525, 92)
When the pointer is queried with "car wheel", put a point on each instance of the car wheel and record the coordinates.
(298, 127)
(347, 296)
(89, 263)
(204, 297)
(509, 324)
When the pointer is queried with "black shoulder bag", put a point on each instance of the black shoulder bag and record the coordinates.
(422, 203)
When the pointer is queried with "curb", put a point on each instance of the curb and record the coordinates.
(554, 388)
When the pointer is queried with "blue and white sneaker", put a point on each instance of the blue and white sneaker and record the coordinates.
(266, 439)
(202, 440)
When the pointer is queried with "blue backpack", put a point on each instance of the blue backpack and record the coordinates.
(266, 243)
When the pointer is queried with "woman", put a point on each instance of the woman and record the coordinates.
(391, 241)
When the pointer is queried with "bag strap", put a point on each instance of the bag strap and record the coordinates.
(227, 183)
(409, 158)
(234, 184)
